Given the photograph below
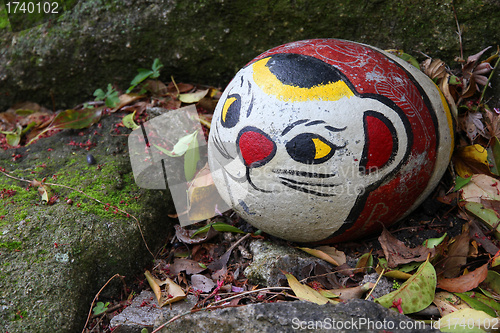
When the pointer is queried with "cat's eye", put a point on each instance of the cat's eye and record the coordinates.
(310, 148)
(231, 111)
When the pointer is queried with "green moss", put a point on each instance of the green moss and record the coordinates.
(11, 246)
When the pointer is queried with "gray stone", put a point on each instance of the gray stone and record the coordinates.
(144, 312)
(55, 258)
(299, 316)
(98, 42)
(270, 259)
(382, 287)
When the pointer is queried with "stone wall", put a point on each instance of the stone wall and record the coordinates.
(98, 42)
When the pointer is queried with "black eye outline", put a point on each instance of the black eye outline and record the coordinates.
(303, 149)
(230, 113)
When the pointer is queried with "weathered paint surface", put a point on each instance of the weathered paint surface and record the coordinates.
(327, 140)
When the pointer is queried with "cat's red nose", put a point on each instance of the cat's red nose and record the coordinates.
(256, 147)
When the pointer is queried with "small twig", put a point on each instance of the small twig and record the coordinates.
(489, 79)
(95, 299)
(459, 32)
(213, 306)
(376, 282)
(175, 85)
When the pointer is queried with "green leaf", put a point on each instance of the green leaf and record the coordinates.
(141, 76)
(494, 156)
(157, 65)
(461, 182)
(99, 94)
(13, 138)
(72, 119)
(112, 100)
(181, 146)
(191, 159)
(128, 121)
(219, 226)
(416, 293)
(433, 242)
(408, 58)
(492, 282)
(100, 308)
(487, 215)
(76, 119)
(475, 303)
(454, 80)
(365, 263)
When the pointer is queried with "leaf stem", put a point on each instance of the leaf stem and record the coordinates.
(489, 79)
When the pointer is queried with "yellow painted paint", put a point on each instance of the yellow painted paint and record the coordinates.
(322, 149)
(226, 106)
(271, 85)
(448, 118)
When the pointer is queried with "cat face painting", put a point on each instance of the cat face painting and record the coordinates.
(328, 140)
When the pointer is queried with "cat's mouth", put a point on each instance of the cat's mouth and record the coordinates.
(312, 183)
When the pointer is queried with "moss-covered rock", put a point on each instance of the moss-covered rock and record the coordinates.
(55, 258)
(102, 41)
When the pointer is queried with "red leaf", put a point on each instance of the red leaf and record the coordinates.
(465, 282)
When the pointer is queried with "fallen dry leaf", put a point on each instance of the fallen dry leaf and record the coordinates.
(185, 265)
(447, 303)
(465, 282)
(457, 255)
(305, 292)
(397, 253)
(201, 282)
(170, 293)
(327, 253)
(184, 235)
(350, 293)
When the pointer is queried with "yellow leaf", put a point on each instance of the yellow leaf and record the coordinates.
(193, 97)
(305, 292)
(468, 319)
(169, 294)
(327, 253)
(469, 159)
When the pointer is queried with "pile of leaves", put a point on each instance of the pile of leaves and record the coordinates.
(452, 280)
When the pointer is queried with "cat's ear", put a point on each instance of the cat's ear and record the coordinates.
(386, 145)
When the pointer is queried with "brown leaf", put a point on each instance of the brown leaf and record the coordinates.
(166, 291)
(183, 87)
(201, 282)
(457, 255)
(187, 265)
(465, 282)
(352, 293)
(435, 69)
(397, 253)
(184, 235)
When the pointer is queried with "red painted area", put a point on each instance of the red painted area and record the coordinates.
(373, 73)
(255, 147)
(380, 143)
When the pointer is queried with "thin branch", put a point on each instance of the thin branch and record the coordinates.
(95, 299)
(213, 306)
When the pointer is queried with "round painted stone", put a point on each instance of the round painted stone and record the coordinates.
(327, 140)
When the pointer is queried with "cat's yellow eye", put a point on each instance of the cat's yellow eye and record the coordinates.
(230, 114)
(322, 149)
(310, 148)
